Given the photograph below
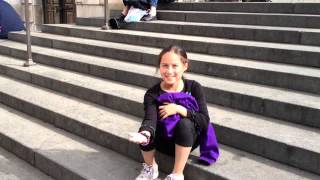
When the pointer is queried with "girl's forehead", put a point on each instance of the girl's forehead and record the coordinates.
(170, 57)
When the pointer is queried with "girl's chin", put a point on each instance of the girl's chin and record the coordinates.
(168, 82)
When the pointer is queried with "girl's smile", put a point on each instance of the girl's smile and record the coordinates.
(171, 70)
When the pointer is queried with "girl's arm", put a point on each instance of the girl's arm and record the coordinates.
(201, 118)
(149, 122)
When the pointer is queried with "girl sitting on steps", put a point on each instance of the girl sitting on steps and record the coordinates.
(176, 119)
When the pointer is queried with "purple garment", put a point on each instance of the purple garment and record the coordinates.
(209, 151)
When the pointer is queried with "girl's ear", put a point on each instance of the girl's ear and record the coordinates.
(186, 66)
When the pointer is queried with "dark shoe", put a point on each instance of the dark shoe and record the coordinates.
(115, 23)
(149, 18)
(121, 17)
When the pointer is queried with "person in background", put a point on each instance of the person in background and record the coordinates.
(149, 5)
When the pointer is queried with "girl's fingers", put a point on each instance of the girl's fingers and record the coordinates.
(162, 111)
(163, 106)
(165, 116)
(137, 138)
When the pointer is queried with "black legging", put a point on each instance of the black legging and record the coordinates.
(185, 134)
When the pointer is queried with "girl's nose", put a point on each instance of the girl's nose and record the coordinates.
(170, 69)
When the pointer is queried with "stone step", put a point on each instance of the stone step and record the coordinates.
(279, 75)
(274, 140)
(60, 154)
(301, 36)
(109, 128)
(223, 30)
(301, 108)
(13, 168)
(282, 20)
(289, 35)
(290, 8)
(142, 54)
(261, 51)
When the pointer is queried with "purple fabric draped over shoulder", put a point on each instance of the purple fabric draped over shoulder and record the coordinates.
(209, 151)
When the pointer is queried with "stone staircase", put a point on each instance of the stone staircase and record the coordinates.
(14, 168)
(69, 115)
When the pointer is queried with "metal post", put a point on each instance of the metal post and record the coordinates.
(106, 15)
(29, 60)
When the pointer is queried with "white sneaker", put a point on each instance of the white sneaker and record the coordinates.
(148, 172)
(174, 177)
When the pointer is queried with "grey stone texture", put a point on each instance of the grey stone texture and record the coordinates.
(284, 8)
(114, 93)
(13, 168)
(217, 66)
(56, 149)
(232, 94)
(261, 82)
(282, 20)
(292, 35)
(62, 155)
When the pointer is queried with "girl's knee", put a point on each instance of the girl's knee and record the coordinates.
(184, 133)
(185, 122)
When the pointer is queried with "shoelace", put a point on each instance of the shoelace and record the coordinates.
(146, 170)
(169, 178)
(173, 177)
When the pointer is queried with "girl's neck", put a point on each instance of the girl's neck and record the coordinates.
(177, 87)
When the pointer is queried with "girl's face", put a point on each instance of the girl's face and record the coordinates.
(171, 68)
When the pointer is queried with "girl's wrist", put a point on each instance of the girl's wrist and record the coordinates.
(181, 110)
(147, 135)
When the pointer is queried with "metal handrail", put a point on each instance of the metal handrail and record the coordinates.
(106, 15)
(29, 60)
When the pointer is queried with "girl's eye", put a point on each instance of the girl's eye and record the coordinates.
(175, 66)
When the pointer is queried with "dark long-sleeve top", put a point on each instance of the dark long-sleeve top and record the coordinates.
(151, 106)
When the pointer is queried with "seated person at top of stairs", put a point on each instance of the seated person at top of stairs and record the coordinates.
(133, 11)
(148, 10)
(176, 119)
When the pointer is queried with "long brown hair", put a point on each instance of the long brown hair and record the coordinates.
(177, 50)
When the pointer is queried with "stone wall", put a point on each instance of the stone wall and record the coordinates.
(36, 15)
(16, 4)
(94, 8)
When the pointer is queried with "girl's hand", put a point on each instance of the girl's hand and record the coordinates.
(167, 109)
(138, 138)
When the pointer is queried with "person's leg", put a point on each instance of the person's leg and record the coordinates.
(181, 157)
(153, 7)
(148, 157)
(152, 12)
(115, 23)
(150, 167)
(185, 137)
(125, 10)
